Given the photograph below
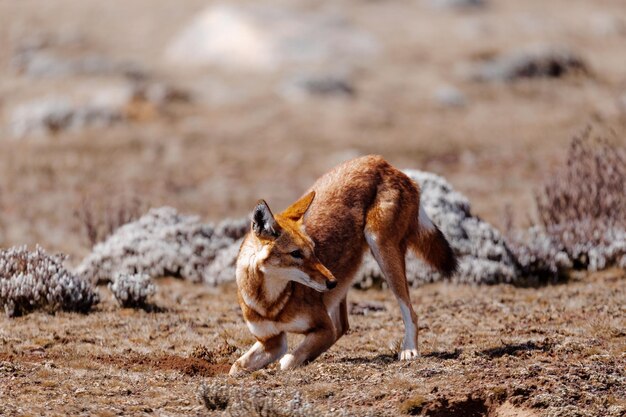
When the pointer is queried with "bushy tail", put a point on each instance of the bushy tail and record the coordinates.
(430, 244)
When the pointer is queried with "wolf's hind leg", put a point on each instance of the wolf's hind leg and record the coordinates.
(260, 355)
(390, 257)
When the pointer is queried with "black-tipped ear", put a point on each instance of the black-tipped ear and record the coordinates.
(263, 222)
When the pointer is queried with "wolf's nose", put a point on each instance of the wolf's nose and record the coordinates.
(331, 284)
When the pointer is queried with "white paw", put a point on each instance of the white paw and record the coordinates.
(408, 354)
(288, 362)
(236, 370)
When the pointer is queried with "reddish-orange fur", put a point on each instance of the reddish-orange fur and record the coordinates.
(363, 203)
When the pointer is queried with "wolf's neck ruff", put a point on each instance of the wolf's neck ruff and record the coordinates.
(268, 309)
(266, 296)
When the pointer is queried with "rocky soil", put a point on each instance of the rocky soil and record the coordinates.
(488, 351)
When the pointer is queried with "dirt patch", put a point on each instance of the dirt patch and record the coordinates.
(509, 410)
(222, 354)
(474, 405)
(187, 366)
(190, 366)
(36, 357)
(469, 407)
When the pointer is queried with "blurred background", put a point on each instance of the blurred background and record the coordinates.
(108, 108)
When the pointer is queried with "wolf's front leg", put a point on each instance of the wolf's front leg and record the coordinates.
(260, 355)
(339, 315)
(314, 344)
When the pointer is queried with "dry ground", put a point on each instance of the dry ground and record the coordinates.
(558, 350)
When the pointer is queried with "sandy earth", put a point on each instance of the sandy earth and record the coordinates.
(501, 350)
(557, 350)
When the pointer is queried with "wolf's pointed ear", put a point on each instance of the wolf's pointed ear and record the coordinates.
(263, 222)
(297, 209)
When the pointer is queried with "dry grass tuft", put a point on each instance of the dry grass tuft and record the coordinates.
(220, 355)
(582, 213)
(214, 395)
(583, 206)
(257, 403)
(242, 402)
(588, 190)
(100, 221)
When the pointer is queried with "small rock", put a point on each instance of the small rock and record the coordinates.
(539, 62)
(87, 106)
(327, 86)
(44, 64)
(457, 4)
(266, 38)
(57, 56)
(449, 96)
(160, 94)
(52, 114)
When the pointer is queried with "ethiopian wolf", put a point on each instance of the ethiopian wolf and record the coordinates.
(295, 268)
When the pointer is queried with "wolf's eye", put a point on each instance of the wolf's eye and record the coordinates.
(297, 254)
